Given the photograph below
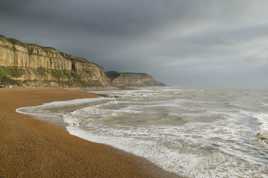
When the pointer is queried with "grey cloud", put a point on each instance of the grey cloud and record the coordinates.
(210, 43)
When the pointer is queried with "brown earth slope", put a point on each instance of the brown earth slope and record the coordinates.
(30, 148)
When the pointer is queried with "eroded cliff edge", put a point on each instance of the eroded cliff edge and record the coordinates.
(23, 64)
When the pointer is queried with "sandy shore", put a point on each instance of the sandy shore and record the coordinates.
(32, 148)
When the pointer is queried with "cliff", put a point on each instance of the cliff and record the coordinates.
(132, 79)
(32, 65)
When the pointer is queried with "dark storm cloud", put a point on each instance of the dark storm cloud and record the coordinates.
(184, 42)
(116, 17)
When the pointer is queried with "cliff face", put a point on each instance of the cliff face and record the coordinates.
(132, 79)
(33, 65)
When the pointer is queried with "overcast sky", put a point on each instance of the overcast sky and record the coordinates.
(189, 43)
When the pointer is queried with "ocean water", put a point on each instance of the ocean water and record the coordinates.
(197, 133)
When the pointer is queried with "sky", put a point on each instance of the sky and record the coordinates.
(187, 43)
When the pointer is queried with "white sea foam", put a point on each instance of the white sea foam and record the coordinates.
(71, 102)
(263, 119)
(42, 111)
(58, 104)
(196, 133)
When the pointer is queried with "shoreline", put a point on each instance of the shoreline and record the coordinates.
(32, 147)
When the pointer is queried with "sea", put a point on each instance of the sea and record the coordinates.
(198, 133)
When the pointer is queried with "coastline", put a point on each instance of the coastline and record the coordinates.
(34, 148)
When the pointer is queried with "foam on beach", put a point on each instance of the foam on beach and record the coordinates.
(263, 119)
(195, 133)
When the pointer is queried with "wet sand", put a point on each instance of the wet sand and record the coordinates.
(32, 148)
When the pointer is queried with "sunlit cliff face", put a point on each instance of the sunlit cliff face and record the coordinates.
(32, 65)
